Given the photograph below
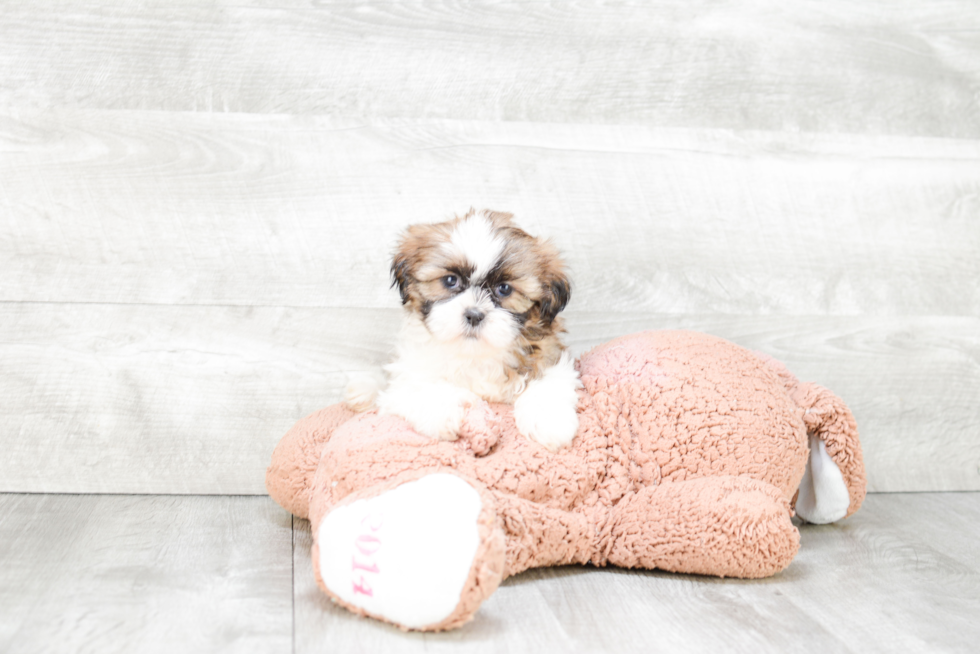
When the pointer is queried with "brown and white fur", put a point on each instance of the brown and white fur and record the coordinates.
(481, 301)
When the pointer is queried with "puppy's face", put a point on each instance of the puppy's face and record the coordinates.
(481, 279)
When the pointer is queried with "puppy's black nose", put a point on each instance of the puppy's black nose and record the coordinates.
(473, 316)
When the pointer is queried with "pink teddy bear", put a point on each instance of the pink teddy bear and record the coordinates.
(691, 456)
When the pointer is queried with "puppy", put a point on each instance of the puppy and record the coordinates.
(481, 300)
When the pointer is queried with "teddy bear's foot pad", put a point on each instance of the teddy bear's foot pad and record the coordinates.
(824, 497)
(404, 555)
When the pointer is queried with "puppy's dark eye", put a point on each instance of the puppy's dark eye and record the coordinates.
(451, 282)
(503, 290)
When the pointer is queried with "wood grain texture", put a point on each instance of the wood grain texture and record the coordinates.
(883, 67)
(900, 575)
(144, 574)
(158, 399)
(198, 201)
(905, 581)
(128, 398)
(159, 208)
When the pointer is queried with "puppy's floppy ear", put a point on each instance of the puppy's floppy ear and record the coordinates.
(406, 259)
(499, 219)
(415, 242)
(557, 292)
(401, 274)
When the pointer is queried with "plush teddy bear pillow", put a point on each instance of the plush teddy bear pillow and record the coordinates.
(691, 455)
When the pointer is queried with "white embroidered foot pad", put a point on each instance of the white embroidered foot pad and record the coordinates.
(406, 554)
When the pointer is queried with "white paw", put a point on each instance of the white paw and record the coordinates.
(545, 411)
(437, 419)
(404, 555)
(552, 426)
(362, 390)
(433, 410)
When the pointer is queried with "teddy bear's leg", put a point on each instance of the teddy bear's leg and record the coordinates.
(538, 535)
(726, 526)
(295, 458)
(422, 551)
(834, 484)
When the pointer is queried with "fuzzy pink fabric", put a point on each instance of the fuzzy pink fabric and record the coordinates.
(689, 453)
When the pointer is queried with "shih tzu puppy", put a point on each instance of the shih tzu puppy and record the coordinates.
(481, 300)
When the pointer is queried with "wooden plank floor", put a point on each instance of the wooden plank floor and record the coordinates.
(98, 573)
(144, 573)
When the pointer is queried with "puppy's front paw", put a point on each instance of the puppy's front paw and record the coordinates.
(438, 419)
(546, 411)
(362, 390)
(553, 426)
(436, 411)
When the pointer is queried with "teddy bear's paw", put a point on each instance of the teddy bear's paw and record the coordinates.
(824, 496)
(480, 430)
(405, 555)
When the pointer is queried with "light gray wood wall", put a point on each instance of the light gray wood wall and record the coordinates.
(884, 67)
(197, 204)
